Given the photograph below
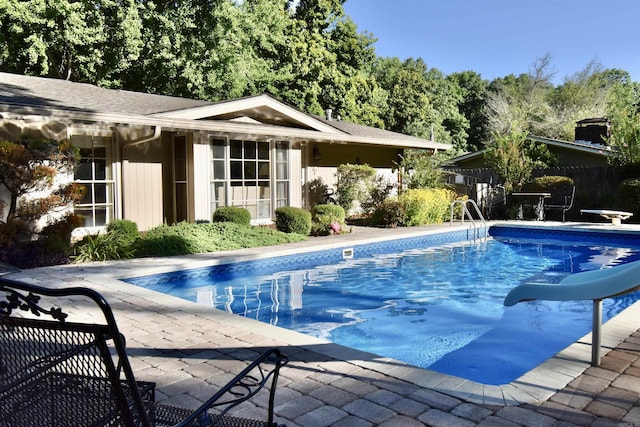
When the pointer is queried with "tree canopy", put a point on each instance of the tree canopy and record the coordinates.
(85, 41)
(307, 53)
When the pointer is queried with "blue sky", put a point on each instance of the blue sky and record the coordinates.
(499, 37)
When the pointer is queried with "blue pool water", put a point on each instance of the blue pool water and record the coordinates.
(433, 303)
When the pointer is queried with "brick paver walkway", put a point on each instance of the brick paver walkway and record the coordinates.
(188, 349)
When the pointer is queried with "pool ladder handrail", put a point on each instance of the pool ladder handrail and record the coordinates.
(466, 211)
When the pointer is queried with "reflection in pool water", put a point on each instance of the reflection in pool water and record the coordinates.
(439, 307)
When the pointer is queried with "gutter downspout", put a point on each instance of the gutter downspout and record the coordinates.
(156, 133)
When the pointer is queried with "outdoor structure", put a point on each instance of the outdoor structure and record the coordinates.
(584, 161)
(157, 159)
(578, 153)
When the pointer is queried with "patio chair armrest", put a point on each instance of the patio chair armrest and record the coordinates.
(241, 388)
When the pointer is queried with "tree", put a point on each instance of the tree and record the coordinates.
(213, 50)
(471, 106)
(312, 55)
(446, 96)
(30, 171)
(421, 102)
(519, 104)
(330, 65)
(529, 102)
(582, 95)
(353, 182)
(352, 90)
(624, 113)
(409, 110)
(423, 169)
(513, 158)
(84, 41)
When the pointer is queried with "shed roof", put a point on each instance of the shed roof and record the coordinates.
(585, 147)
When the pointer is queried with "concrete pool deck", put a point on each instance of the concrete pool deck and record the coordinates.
(185, 347)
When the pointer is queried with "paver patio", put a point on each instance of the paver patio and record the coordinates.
(186, 347)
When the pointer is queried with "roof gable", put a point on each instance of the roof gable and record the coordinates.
(262, 108)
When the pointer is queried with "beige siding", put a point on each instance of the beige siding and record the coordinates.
(333, 155)
(295, 183)
(201, 204)
(142, 185)
(325, 173)
(337, 154)
(321, 173)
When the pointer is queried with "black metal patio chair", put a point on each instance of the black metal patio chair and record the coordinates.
(59, 370)
(561, 200)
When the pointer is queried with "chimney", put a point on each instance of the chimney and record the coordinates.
(327, 113)
(594, 131)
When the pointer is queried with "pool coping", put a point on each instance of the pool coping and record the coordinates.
(538, 384)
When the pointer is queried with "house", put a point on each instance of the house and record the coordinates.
(578, 153)
(154, 159)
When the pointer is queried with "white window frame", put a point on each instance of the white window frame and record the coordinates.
(273, 181)
(110, 202)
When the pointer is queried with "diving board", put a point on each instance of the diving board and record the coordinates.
(593, 285)
(615, 216)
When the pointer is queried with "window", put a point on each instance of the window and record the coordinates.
(282, 174)
(250, 177)
(218, 173)
(180, 183)
(95, 174)
(242, 175)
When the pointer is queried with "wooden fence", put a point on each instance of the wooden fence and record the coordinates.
(596, 186)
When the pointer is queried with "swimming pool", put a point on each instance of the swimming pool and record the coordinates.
(433, 302)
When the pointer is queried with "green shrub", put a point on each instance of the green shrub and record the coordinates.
(353, 182)
(549, 182)
(116, 243)
(233, 214)
(293, 220)
(100, 247)
(31, 254)
(334, 211)
(376, 196)
(426, 206)
(327, 219)
(389, 213)
(52, 246)
(629, 193)
(185, 238)
(56, 236)
(125, 230)
(179, 239)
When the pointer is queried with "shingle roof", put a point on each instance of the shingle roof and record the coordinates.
(81, 98)
(45, 92)
(595, 149)
(367, 131)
